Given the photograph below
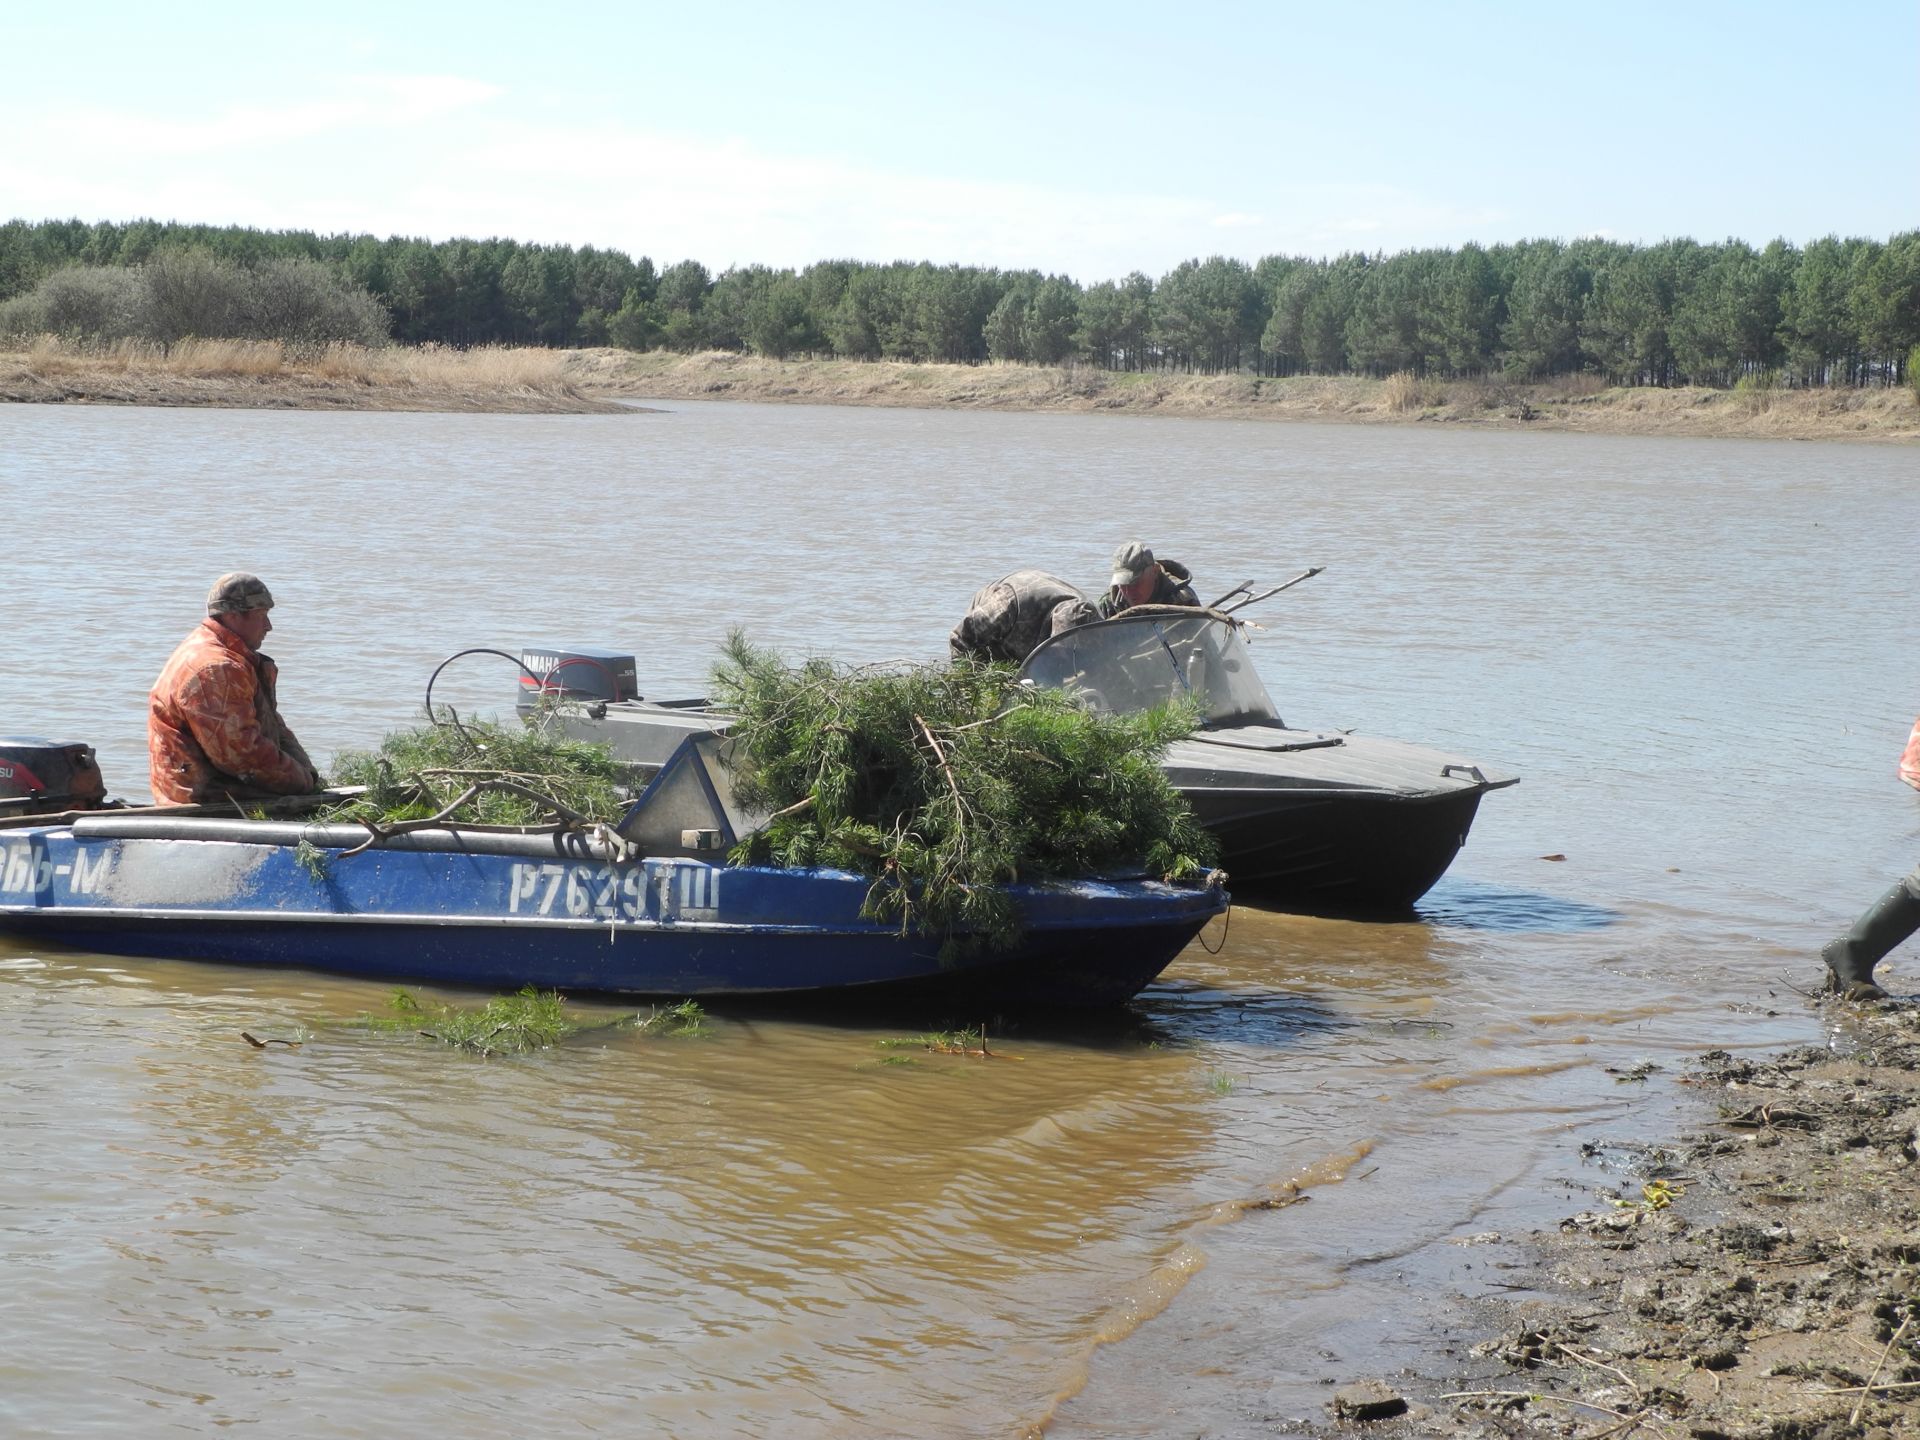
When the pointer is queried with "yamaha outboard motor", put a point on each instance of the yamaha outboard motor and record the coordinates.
(40, 777)
(575, 672)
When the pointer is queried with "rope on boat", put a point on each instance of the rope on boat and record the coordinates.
(453, 717)
(565, 817)
(1217, 877)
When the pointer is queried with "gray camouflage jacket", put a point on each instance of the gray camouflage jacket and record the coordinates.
(1014, 614)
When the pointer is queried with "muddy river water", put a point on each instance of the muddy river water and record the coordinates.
(1697, 653)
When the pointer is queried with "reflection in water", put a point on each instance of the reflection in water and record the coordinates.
(1476, 906)
(778, 1227)
(1183, 1011)
(779, 1220)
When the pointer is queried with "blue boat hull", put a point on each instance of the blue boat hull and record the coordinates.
(560, 915)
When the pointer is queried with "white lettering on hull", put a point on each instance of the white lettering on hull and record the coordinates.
(25, 870)
(603, 892)
(91, 879)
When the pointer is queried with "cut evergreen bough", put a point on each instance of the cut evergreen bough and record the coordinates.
(943, 782)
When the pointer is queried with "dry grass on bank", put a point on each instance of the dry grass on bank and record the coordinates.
(1573, 403)
(506, 379)
(267, 373)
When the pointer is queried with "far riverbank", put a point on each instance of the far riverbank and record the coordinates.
(265, 375)
(253, 375)
(1580, 403)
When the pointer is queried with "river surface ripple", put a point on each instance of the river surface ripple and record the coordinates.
(1695, 652)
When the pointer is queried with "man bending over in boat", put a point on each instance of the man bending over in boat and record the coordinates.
(1139, 579)
(213, 728)
(1014, 614)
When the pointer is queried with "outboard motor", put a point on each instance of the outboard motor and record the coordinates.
(41, 777)
(575, 672)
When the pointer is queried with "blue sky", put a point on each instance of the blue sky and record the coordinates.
(1079, 138)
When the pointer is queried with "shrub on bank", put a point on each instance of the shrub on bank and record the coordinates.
(1404, 391)
(299, 303)
(92, 301)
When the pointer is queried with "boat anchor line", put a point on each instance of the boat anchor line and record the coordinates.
(27, 871)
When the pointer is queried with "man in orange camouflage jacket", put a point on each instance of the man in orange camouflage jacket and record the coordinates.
(213, 729)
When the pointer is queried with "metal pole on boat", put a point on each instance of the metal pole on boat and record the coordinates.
(1246, 587)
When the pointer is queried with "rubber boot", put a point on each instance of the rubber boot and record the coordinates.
(1889, 920)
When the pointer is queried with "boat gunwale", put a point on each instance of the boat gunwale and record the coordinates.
(612, 924)
(1375, 792)
(346, 835)
(1174, 897)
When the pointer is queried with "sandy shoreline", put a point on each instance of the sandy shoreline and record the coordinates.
(1580, 405)
(605, 381)
(247, 375)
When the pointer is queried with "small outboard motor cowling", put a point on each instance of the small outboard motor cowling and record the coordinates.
(40, 777)
(575, 672)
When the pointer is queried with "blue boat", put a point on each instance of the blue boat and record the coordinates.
(586, 913)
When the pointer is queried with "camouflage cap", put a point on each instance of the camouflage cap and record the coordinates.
(237, 591)
(1130, 562)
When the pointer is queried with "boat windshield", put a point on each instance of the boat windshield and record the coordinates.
(1136, 661)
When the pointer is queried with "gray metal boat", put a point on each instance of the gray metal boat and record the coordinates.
(1319, 820)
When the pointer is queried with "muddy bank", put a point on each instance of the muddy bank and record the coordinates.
(1756, 1280)
(533, 381)
(1580, 403)
(262, 376)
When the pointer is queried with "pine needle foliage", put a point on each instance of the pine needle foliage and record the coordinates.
(524, 775)
(504, 1025)
(944, 781)
(527, 1020)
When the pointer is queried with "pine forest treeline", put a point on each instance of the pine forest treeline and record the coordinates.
(1832, 312)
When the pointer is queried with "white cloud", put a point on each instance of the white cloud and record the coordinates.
(368, 102)
(444, 156)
